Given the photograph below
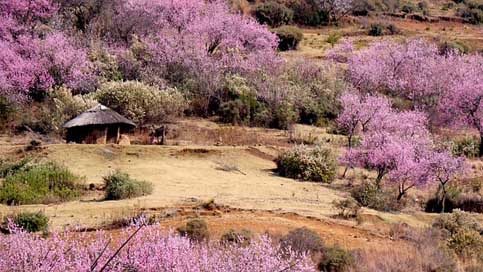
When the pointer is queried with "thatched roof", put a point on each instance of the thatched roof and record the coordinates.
(99, 115)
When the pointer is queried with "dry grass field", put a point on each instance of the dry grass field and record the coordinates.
(238, 176)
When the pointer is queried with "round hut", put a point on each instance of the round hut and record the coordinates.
(99, 125)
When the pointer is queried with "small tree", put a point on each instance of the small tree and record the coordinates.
(337, 9)
(443, 167)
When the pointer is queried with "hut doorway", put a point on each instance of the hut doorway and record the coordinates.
(112, 134)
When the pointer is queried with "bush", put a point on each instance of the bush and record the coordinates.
(31, 222)
(310, 164)
(450, 46)
(40, 184)
(308, 12)
(302, 240)
(238, 103)
(467, 244)
(283, 116)
(333, 39)
(470, 202)
(10, 168)
(408, 8)
(120, 185)
(368, 195)
(7, 112)
(379, 29)
(242, 237)
(142, 103)
(457, 221)
(348, 208)
(195, 229)
(273, 14)
(289, 37)
(363, 8)
(57, 108)
(336, 259)
(473, 15)
(467, 146)
(376, 30)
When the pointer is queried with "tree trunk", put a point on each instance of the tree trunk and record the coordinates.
(380, 175)
(401, 194)
(443, 197)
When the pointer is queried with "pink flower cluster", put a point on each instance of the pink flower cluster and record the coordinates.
(447, 83)
(149, 250)
(201, 39)
(33, 60)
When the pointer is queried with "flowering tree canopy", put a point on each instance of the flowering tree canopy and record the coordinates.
(361, 112)
(34, 60)
(448, 83)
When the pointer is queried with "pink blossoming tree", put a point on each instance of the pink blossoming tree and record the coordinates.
(149, 250)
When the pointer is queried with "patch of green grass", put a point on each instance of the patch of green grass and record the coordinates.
(40, 184)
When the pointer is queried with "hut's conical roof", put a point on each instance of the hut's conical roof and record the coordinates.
(98, 115)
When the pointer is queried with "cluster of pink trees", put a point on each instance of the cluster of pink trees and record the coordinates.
(449, 85)
(149, 250)
(396, 144)
(193, 42)
(33, 56)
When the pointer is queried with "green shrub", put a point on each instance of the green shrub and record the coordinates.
(408, 8)
(336, 259)
(195, 229)
(308, 12)
(376, 30)
(238, 103)
(10, 168)
(273, 14)
(457, 221)
(348, 208)
(31, 222)
(289, 37)
(333, 39)
(363, 8)
(141, 103)
(242, 237)
(311, 164)
(41, 183)
(449, 46)
(467, 146)
(302, 240)
(120, 185)
(368, 195)
(283, 116)
(57, 108)
(379, 29)
(473, 15)
(467, 244)
(423, 5)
